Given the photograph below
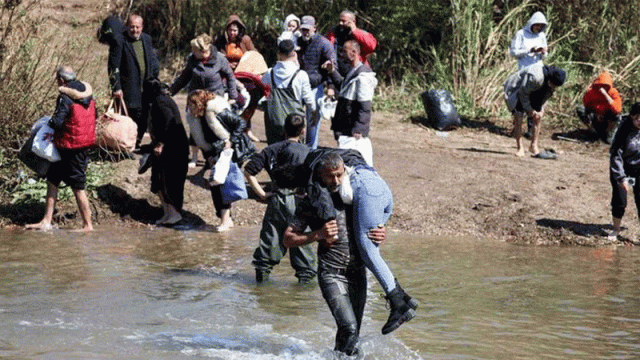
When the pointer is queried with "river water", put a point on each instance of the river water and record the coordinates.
(165, 294)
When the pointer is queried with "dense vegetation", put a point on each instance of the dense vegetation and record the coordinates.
(459, 45)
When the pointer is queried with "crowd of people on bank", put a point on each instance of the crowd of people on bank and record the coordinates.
(331, 196)
(324, 195)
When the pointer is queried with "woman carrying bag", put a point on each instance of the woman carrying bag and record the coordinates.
(215, 128)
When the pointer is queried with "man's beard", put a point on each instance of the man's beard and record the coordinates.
(342, 31)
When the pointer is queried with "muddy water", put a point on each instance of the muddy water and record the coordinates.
(163, 294)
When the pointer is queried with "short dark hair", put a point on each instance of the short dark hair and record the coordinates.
(293, 125)
(286, 46)
(331, 160)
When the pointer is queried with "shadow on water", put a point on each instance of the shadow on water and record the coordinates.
(123, 204)
(577, 228)
(468, 123)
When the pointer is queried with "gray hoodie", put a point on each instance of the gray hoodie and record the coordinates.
(526, 39)
(283, 73)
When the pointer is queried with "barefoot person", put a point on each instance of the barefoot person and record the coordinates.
(624, 168)
(214, 127)
(526, 93)
(74, 122)
(170, 152)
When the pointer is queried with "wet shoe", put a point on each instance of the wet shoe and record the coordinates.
(400, 311)
(262, 276)
(413, 303)
(306, 280)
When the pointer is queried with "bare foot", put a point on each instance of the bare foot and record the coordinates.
(42, 226)
(224, 227)
(534, 150)
(84, 229)
(520, 153)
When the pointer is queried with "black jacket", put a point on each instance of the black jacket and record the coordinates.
(353, 112)
(242, 146)
(625, 151)
(124, 71)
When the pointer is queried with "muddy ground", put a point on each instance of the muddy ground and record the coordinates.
(461, 183)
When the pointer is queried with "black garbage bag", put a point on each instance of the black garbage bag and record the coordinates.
(112, 31)
(39, 165)
(441, 113)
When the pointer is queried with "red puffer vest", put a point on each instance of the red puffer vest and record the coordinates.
(79, 129)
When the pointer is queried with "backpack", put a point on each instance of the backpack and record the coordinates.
(281, 103)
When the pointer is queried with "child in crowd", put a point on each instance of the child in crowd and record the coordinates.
(291, 29)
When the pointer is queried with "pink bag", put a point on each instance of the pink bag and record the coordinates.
(116, 130)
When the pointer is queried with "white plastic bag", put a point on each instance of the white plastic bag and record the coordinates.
(327, 107)
(363, 145)
(221, 167)
(43, 141)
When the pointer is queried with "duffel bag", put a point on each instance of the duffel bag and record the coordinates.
(116, 130)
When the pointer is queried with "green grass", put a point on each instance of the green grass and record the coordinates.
(30, 190)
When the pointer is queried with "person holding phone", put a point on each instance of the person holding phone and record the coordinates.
(529, 46)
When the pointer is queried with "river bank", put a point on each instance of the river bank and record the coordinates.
(462, 183)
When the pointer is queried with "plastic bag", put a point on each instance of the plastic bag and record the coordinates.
(221, 168)
(43, 141)
(234, 187)
(327, 106)
(438, 104)
(34, 162)
(363, 145)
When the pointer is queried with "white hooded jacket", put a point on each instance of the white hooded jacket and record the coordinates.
(525, 39)
(286, 34)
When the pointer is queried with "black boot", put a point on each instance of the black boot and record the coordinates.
(262, 276)
(413, 303)
(400, 311)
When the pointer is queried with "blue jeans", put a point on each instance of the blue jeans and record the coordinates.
(372, 206)
(314, 130)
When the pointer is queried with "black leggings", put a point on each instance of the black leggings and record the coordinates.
(216, 195)
(619, 197)
(346, 294)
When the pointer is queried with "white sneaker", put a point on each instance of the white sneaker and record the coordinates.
(613, 235)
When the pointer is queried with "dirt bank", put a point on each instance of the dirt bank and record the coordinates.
(463, 183)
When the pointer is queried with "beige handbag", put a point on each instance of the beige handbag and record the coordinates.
(116, 130)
